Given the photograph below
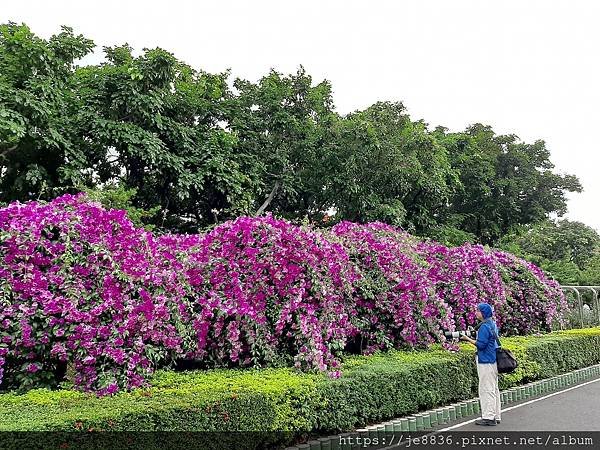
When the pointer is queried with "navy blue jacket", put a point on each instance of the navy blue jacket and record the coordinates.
(486, 342)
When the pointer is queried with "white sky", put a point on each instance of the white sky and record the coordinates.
(526, 67)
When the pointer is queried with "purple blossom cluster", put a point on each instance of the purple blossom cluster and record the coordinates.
(80, 285)
(395, 301)
(524, 299)
(263, 290)
(83, 290)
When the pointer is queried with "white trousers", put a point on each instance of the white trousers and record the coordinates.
(489, 394)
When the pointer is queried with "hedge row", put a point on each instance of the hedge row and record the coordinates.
(372, 389)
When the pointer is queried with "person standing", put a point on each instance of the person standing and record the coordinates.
(487, 369)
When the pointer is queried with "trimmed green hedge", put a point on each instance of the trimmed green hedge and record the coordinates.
(372, 389)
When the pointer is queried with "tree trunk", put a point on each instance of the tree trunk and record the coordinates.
(269, 199)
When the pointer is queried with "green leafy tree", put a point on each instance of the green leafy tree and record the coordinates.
(450, 236)
(383, 166)
(577, 241)
(590, 276)
(554, 241)
(564, 271)
(282, 123)
(40, 156)
(568, 250)
(504, 182)
(187, 152)
(153, 124)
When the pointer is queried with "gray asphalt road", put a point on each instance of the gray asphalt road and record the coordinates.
(574, 410)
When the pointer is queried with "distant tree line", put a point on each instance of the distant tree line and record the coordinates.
(183, 150)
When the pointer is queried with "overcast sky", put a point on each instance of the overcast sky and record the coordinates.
(526, 67)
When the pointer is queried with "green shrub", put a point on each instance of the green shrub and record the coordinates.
(372, 388)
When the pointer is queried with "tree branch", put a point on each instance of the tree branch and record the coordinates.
(269, 199)
(8, 150)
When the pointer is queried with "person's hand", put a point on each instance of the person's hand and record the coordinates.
(464, 337)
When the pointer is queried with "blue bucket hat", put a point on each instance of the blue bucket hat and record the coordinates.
(486, 310)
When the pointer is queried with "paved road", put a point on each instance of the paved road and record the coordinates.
(575, 410)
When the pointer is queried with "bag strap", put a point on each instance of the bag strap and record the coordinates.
(494, 332)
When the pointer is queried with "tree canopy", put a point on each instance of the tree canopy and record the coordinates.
(185, 149)
(569, 250)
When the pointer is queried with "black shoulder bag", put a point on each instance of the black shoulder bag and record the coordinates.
(505, 360)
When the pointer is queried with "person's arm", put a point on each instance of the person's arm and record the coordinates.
(483, 336)
(468, 339)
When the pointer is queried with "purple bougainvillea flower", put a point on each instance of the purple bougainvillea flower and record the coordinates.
(81, 285)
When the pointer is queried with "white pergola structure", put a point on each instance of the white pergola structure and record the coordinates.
(596, 303)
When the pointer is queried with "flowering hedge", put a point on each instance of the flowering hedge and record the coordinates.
(394, 298)
(263, 291)
(524, 299)
(82, 289)
(80, 284)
